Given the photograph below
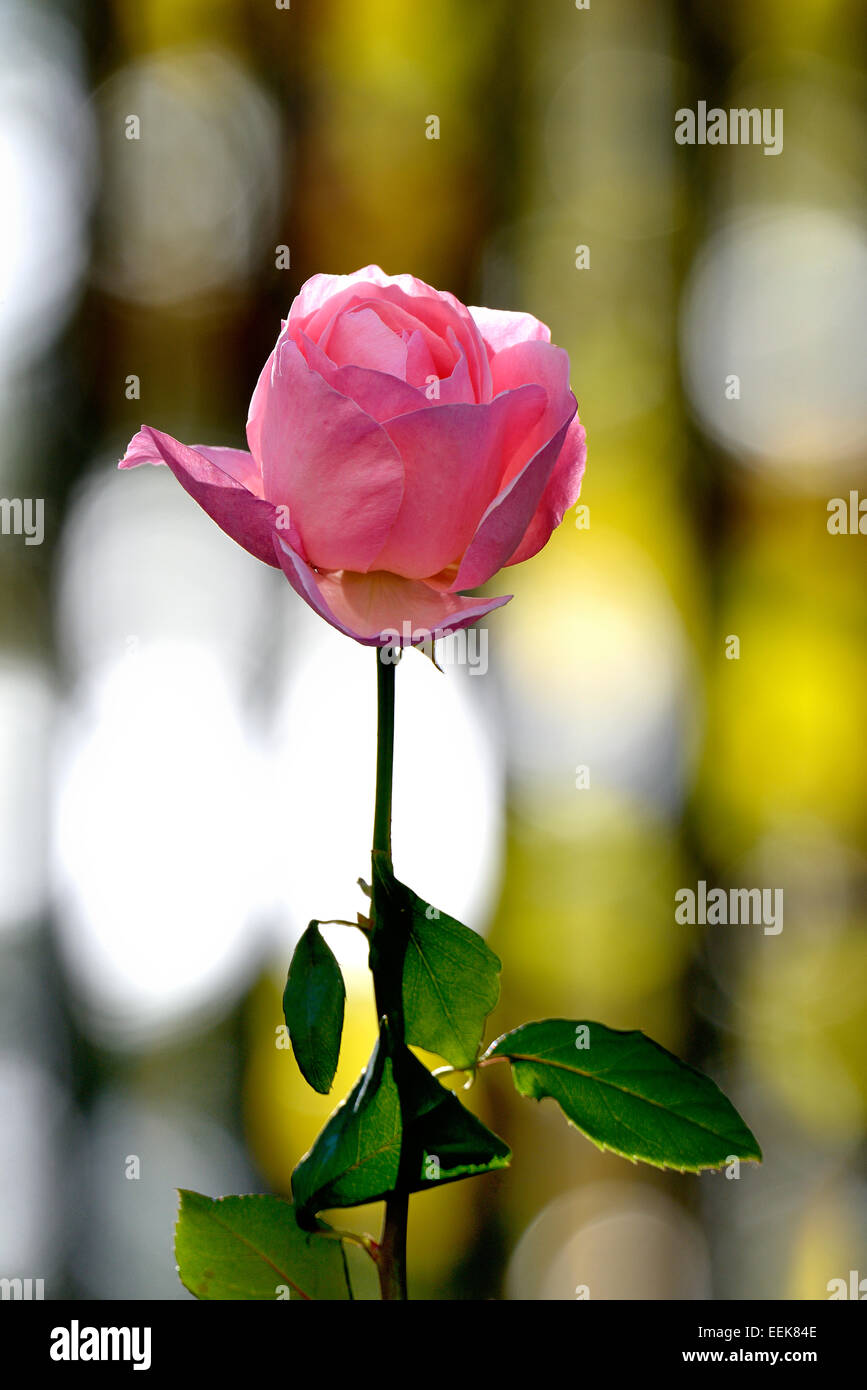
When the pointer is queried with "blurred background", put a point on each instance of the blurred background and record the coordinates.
(186, 752)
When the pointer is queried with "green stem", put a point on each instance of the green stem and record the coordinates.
(391, 1259)
(384, 755)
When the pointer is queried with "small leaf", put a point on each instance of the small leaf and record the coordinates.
(355, 1158)
(358, 1157)
(313, 1004)
(445, 1141)
(627, 1094)
(450, 976)
(252, 1248)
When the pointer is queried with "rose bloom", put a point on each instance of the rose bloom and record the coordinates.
(402, 449)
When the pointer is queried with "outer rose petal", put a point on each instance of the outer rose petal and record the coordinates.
(380, 608)
(238, 463)
(506, 521)
(524, 487)
(257, 408)
(500, 328)
(243, 515)
(453, 459)
(548, 366)
(331, 462)
(561, 493)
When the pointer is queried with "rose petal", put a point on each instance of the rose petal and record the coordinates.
(453, 460)
(257, 404)
(419, 359)
(561, 492)
(202, 473)
(547, 366)
(500, 328)
(507, 519)
(320, 289)
(457, 387)
(384, 396)
(377, 394)
(323, 298)
(331, 462)
(360, 338)
(380, 608)
(238, 463)
(394, 316)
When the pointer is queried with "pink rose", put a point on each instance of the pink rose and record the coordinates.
(403, 449)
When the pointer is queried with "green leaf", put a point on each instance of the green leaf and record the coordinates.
(445, 1141)
(355, 1158)
(359, 1156)
(313, 1004)
(627, 1094)
(450, 976)
(253, 1248)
